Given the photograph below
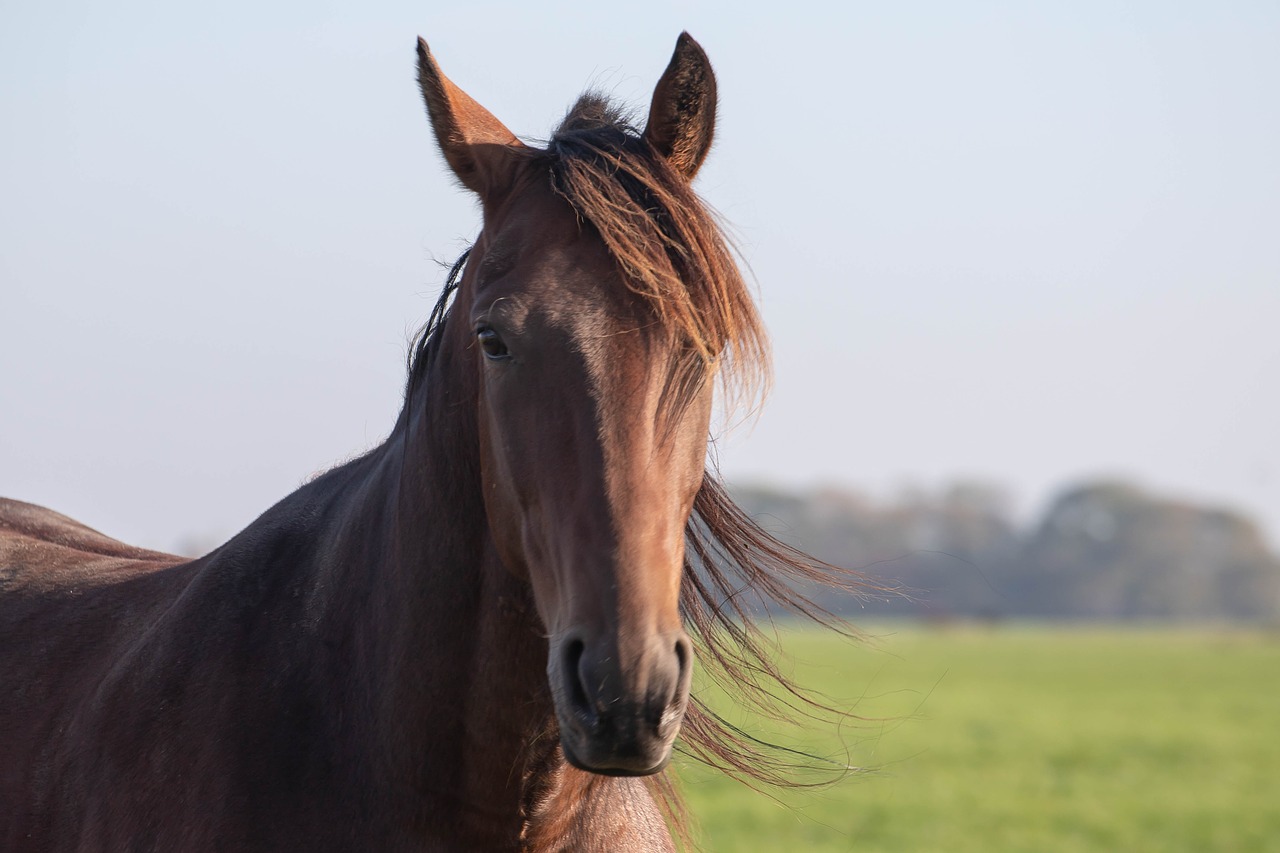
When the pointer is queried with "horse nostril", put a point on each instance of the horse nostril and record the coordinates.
(683, 654)
(573, 651)
(666, 714)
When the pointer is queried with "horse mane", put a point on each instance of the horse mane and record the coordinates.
(674, 254)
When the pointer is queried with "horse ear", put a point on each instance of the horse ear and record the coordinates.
(682, 117)
(478, 148)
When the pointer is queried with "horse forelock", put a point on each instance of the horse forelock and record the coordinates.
(669, 247)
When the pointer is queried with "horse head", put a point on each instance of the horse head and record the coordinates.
(592, 311)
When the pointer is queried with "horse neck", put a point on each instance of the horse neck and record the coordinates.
(450, 658)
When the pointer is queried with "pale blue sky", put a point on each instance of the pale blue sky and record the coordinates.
(1025, 243)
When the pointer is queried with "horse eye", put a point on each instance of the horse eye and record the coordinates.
(492, 345)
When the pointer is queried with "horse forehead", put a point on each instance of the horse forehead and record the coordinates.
(560, 271)
(553, 269)
(573, 260)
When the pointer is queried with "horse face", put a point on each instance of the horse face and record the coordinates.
(590, 468)
(593, 419)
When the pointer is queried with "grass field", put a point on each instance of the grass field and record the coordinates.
(1023, 739)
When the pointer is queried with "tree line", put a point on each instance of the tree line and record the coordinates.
(1100, 551)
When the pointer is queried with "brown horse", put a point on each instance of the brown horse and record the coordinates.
(473, 637)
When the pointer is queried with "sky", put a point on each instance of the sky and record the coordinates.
(1024, 244)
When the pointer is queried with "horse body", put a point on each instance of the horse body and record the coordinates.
(290, 691)
(472, 637)
(236, 709)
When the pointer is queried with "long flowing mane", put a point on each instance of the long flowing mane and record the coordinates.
(674, 254)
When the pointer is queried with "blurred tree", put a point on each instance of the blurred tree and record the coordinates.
(1112, 551)
(1104, 550)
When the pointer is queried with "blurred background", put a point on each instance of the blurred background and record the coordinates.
(1021, 264)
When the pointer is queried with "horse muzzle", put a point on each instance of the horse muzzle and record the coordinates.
(619, 714)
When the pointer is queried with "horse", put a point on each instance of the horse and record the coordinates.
(479, 635)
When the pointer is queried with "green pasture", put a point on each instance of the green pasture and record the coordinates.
(1021, 739)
